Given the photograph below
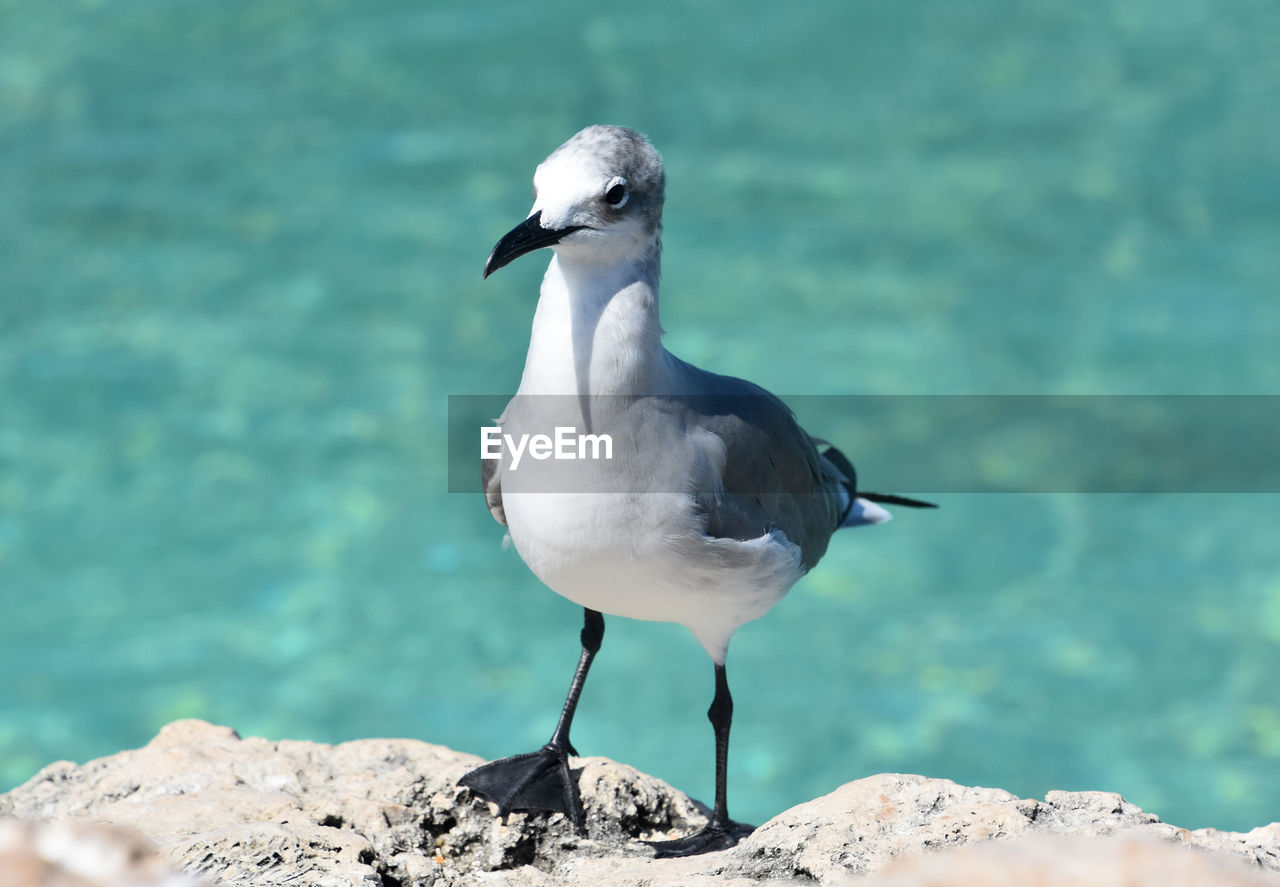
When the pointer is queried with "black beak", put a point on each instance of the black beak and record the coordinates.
(524, 238)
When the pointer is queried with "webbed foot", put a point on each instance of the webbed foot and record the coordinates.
(540, 780)
(709, 839)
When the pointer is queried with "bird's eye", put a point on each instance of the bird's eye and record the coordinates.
(616, 194)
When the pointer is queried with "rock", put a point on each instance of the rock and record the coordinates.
(367, 812)
(80, 854)
(1044, 860)
(862, 825)
(384, 812)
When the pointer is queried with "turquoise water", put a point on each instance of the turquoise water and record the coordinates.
(240, 255)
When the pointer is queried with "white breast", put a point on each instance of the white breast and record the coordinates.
(646, 557)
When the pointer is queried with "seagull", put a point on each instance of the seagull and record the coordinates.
(713, 501)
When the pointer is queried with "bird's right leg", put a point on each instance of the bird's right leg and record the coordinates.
(541, 780)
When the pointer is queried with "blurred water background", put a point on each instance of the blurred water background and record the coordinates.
(240, 253)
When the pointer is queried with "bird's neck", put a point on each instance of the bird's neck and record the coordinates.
(596, 329)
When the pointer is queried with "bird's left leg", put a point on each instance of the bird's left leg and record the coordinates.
(720, 833)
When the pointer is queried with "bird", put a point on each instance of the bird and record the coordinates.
(713, 501)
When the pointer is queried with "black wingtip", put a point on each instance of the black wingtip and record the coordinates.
(891, 499)
(845, 467)
(850, 482)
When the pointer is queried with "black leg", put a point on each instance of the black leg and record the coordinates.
(721, 715)
(592, 635)
(541, 780)
(720, 833)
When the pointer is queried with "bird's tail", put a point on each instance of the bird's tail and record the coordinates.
(862, 507)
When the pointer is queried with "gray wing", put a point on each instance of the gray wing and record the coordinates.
(773, 476)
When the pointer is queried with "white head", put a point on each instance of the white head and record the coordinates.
(597, 198)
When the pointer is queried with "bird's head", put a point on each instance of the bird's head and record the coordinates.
(597, 198)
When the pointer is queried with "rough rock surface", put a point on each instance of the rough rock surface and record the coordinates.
(389, 812)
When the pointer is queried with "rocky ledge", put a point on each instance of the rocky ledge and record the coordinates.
(383, 812)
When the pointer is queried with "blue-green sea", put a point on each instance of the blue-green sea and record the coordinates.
(240, 256)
